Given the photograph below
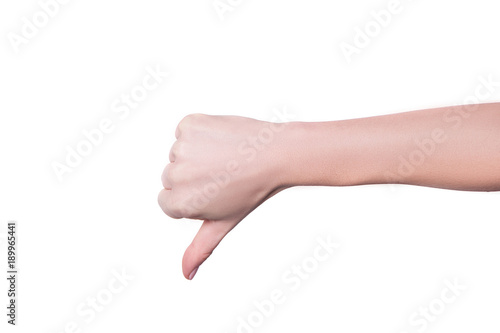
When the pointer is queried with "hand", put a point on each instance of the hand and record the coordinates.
(221, 168)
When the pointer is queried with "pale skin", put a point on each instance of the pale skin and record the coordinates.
(223, 167)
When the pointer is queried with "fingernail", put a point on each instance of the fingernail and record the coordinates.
(193, 273)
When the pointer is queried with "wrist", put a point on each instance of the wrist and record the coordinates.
(327, 154)
(302, 154)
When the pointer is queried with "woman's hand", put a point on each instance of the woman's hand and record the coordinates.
(222, 168)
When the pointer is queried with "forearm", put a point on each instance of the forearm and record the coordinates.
(451, 147)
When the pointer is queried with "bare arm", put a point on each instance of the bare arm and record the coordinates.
(452, 147)
(223, 167)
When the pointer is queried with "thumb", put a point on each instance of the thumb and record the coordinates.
(203, 244)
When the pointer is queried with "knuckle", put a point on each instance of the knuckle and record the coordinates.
(168, 205)
(162, 202)
(165, 177)
(190, 121)
(175, 212)
(178, 149)
(161, 198)
(179, 173)
(173, 174)
(173, 153)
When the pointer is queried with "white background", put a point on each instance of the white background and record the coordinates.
(398, 244)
